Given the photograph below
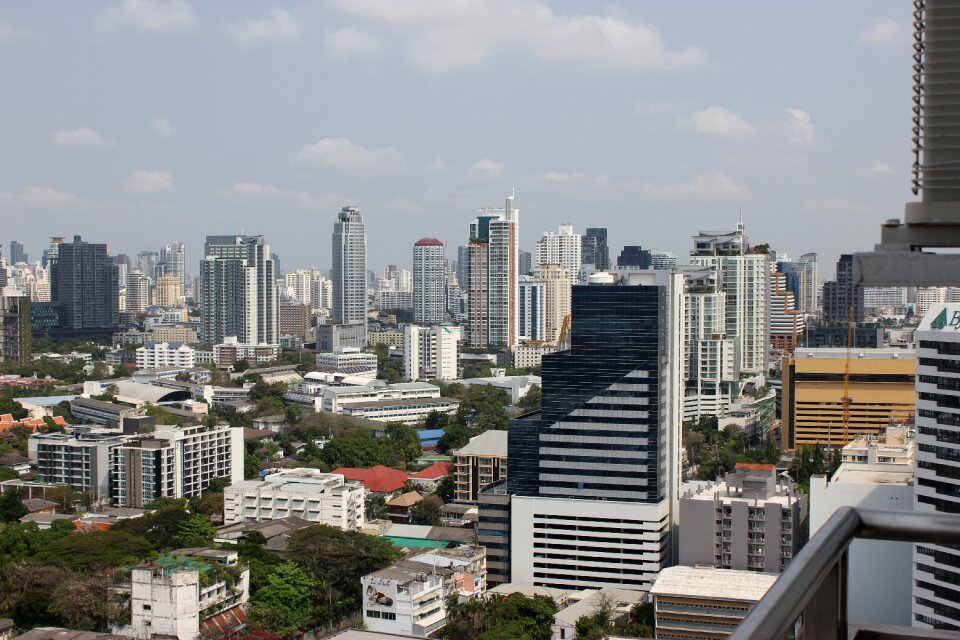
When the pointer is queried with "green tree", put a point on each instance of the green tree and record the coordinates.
(455, 435)
(196, 531)
(94, 550)
(251, 467)
(531, 401)
(241, 365)
(85, 602)
(375, 507)
(161, 526)
(447, 488)
(284, 604)
(11, 406)
(11, 506)
(514, 617)
(354, 451)
(426, 512)
(403, 440)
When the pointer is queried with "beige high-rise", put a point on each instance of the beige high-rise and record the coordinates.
(556, 298)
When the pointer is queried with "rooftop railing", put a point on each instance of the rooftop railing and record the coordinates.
(809, 601)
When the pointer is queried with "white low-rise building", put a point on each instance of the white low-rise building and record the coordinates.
(528, 355)
(175, 594)
(515, 386)
(349, 361)
(431, 353)
(324, 498)
(230, 351)
(157, 355)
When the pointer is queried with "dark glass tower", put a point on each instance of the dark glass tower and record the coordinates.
(85, 286)
(594, 248)
(634, 257)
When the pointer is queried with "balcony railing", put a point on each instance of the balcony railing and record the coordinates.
(810, 598)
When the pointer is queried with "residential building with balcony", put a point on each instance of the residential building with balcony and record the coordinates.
(80, 459)
(431, 353)
(480, 462)
(321, 498)
(751, 521)
(157, 355)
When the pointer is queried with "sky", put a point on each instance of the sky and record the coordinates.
(142, 122)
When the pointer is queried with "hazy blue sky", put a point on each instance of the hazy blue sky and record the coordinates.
(140, 122)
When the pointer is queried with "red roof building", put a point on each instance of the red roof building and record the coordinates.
(378, 479)
(434, 472)
(751, 466)
(428, 242)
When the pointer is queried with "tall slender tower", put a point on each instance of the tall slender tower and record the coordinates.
(238, 294)
(429, 281)
(350, 269)
(172, 262)
(493, 262)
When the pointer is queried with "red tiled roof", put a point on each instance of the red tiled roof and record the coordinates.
(224, 624)
(750, 466)
(380, 479)
(405, 500)
(428, 242)
(434, 471)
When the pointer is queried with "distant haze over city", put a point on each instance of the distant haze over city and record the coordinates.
(138, 123)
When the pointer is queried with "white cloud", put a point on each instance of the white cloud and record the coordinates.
(81, 138)
(882, 32)
(437, 165)
(713, 185)
(280, 27)
(157, 16)
(43, 198)
(800, 129)
(647, 108)
(341, 153)
(484, 169)
(447, 36)
(718, 122)
(346, 43)
(162, 127)
(253, 191)
(880, 167)
(149, 182)
(559, 177)
(10, 33)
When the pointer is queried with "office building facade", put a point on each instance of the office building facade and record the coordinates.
(594, 248)
(634, 257)
(84, 286)
(842, 299)
(429, 281)
(15, 336)
(593, 476)
(936, 598)
(238, 292)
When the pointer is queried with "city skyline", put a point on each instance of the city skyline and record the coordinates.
(190, 137)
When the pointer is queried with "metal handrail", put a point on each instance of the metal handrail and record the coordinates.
(799, 588)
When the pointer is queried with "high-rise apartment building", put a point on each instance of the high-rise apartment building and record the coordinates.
(137, 292)
(594, 476)
(295, 319)
(711, 369)
(429, 281)
(532, 309)
(842, 296)
(17, 253)
(169, 291)
(15, 337)
(743, 276)
(556, 298)
(526, 262)
(662, 260)
(349, 271)
(787, 323)
(147, 262)
(492, 278)
(172, 261)
(564, 248)
(84, 286)
(936, 599)
(238, 292)
(594, 248)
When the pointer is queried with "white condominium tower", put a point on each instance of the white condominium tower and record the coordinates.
(429, 281)
(493, 255)
(350, 269)
(563, 248)
(238, 293)
(743, 276)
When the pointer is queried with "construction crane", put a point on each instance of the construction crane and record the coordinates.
(846, 379)
(563, 341)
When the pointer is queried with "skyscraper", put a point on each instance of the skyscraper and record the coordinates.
(172, 262)
(238, 294)
(710, 364)
(84, 285)
(787, 323)
(429, 281)
(742, 275)
(594, 248)
(840, 296)
(634, 257)
(349, 271)
(138, 292)
(556, 298)
(492, 264)
(147, 262)
(17, 254)
(526, 263)
(936, 601)
(532, 306)
(563, 248)
(596, 471)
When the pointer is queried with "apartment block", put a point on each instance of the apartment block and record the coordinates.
(431, 353)
(156, 355)
(350, 361)
(480, 462)
(749, 522)
(80, 459)
(231, 350)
